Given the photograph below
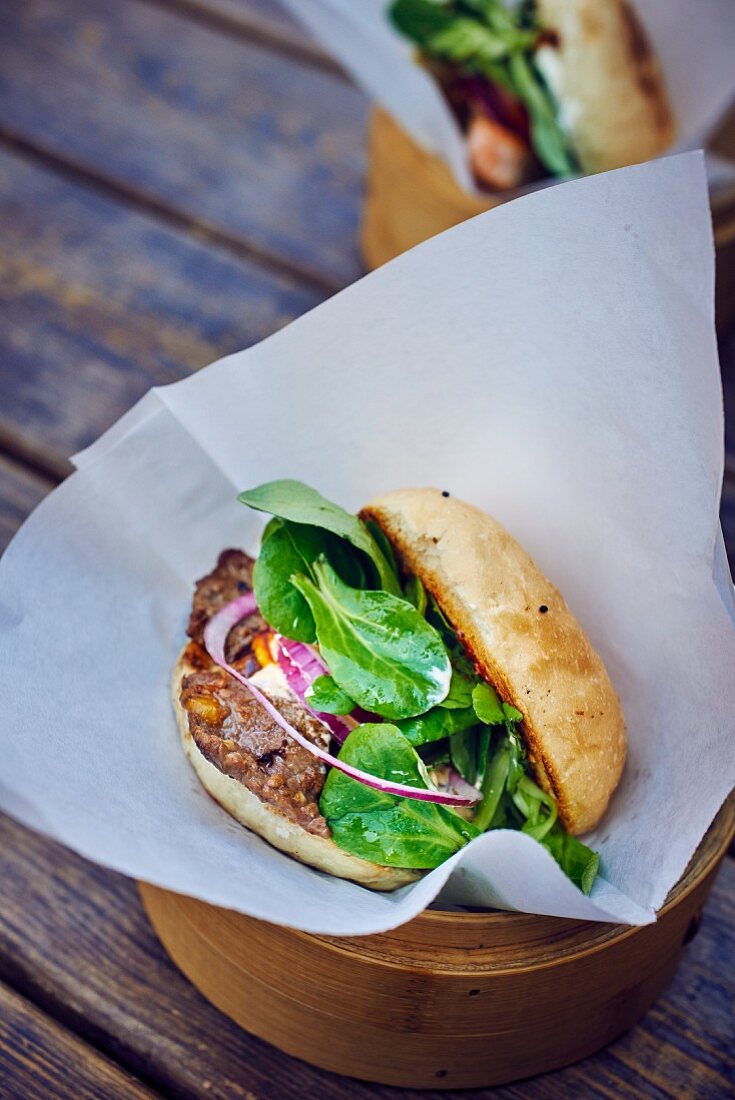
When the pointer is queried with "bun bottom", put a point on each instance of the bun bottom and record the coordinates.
(265, 820)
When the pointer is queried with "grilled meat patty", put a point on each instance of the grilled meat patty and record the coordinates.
(231, 577)
(229, 727)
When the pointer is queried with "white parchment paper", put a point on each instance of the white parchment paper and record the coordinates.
(553, 361)
(694, 40)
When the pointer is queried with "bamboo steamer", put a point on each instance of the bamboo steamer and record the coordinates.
(412, 195)
(449, 1000)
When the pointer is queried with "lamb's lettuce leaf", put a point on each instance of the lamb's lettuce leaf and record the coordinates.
(377, 647)
(436, 724)
(299, 503)
(325, 695)
(576, 860)
(286, 548)
(469, 752)
(460, 691)
(487, 704)
(384, 828)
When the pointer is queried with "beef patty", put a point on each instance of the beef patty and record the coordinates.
(229, 727)
(230, 578)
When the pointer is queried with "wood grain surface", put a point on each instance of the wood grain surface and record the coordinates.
(261, 21)
(113, 984)
(21, 490)
(40, 1059)
(101, 301)
(265, 150)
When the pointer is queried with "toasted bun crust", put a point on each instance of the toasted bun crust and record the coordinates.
(540, 661)
(266, 821)
(608, 83)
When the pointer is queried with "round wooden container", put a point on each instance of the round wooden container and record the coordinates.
(412, 195)
(449, 1000)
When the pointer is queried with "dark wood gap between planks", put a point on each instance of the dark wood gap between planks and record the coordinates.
(31, 455)
(226, 18)
(39, 1054)
(24, 984)
(143, 202)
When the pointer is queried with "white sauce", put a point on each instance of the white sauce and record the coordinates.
(272, 681)
(548, 62)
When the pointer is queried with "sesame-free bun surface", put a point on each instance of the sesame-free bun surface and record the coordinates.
(608, 83)
(491, 591)
(267, 822)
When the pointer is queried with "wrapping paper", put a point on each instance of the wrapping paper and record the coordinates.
(553, 361)
(694, 40)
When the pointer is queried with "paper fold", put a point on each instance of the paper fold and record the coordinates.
(553, 361)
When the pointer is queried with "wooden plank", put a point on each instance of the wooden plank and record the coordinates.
(20, 491)
(40, 1060)
(231, 135)
(250, 15)
(100, 302)
(262, 21)
(113, 983)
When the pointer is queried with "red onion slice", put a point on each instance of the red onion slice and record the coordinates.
(301, 666)
(458, 783)
(215, 636)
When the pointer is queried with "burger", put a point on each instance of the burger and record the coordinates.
(375, 691)
(543, 88)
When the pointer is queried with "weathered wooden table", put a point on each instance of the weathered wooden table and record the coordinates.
(178, 178)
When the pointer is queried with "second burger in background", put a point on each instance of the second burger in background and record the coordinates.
(545, 87)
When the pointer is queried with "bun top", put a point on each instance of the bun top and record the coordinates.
(524, 641)
(607, 81)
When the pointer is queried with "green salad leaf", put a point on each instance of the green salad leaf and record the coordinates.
(393, 831)
(435, 724)
(486, 702)
(415, 593)
(549, 140)
(493, 789)
(538, 807)
(421, 20)
(286, 549)
(383, 543)
(460, 691)
(299, 503)
(469, 41)
(511, 714)
(469, 752)
(325, 695)
(377, 647)
(576, 860)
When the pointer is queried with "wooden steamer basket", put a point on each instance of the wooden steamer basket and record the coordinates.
(412, 195)
(449, 1000)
